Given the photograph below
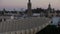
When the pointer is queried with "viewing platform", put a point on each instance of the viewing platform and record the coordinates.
(29, 25)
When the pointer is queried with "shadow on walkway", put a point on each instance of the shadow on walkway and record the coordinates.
(50, 29)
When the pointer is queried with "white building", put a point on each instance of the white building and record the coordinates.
(36, 14)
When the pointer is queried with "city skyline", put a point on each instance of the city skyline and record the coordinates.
(11, 4)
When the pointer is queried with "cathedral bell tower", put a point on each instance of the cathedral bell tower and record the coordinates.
(29, 12)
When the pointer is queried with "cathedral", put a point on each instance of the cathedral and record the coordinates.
(51, 12)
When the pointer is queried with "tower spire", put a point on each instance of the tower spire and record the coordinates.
(29, 1)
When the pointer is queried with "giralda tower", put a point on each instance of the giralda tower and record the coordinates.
(29, 12)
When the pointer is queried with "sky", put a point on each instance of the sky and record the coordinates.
(20, 4)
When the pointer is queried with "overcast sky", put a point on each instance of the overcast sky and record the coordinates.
(35, 3)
